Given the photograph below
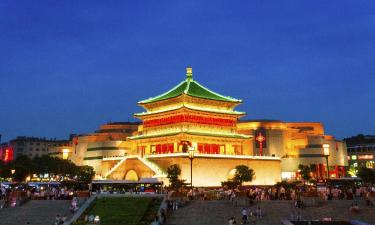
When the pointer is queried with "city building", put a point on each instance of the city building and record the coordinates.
(33, 146)
(201, 131)
(361, 151)
(297, 143)
(109, 141)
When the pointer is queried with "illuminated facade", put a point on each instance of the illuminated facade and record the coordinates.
(190, 116)
(35, 147)
(361, 151)
(297, 143)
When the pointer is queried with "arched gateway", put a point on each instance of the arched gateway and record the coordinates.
(131, 175)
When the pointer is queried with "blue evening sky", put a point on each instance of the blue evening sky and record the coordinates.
(69, 66)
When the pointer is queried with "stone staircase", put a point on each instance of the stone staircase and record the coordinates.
(154, 167)
(115, 167)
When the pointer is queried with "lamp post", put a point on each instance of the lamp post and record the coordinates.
(191, 157)
(326, 154)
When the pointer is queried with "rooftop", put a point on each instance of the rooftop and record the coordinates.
(123, 123)
(192, 88)
(37, 139)
(259, 120)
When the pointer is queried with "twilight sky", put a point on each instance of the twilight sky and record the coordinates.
(69, 66)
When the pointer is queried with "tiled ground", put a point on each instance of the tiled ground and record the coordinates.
(218, 212)
(36, 212)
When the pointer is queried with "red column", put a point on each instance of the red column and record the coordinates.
(342, 171)
(158, 149)
(337, 171)
(201, 148)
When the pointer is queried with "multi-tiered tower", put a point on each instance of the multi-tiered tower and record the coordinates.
(190, 115)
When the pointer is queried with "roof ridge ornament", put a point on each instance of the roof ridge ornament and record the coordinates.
(189, 73)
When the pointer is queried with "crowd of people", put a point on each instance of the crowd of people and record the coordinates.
(282, 193)
(50, 193)
(11, 196)
(294, 194)
(353, 193)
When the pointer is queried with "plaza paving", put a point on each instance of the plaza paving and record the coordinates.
(218, 212)
(42, 212)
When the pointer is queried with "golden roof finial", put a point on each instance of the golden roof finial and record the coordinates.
(189, 72)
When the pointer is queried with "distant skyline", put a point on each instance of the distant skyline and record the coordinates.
(70, 66)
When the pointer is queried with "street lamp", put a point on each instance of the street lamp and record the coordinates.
(326, 154)
(191, 157)
(12, 171)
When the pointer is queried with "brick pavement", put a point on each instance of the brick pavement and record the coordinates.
(218, 212)
(42, 212)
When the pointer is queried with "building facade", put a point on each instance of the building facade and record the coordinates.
(361, 151)
(190, 118)
(297, 143)
(109, 142)
(33, 147)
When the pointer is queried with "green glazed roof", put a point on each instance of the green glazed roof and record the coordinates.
(192, 88)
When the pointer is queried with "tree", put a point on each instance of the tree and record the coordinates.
(4, 170)
(305, 172)
(22, 166)
(85, 174)
(367, 175)
(243, 174)
(173, 172)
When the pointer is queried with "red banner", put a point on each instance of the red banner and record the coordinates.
(208, 148)
(190, 119)
(164, 148)
(6, 154)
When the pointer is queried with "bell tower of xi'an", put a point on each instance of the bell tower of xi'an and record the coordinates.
(190, 115)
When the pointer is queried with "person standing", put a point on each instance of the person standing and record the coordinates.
(244, 213)
(259, 212)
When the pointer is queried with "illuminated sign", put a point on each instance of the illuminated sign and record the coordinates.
(370, 164)
(354, 157)
(6, 154)
(190, 119)
(365, 157)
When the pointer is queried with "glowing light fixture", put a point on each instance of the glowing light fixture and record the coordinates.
(326, 154)
(191, 157)
(326, 149)
(65, 153)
